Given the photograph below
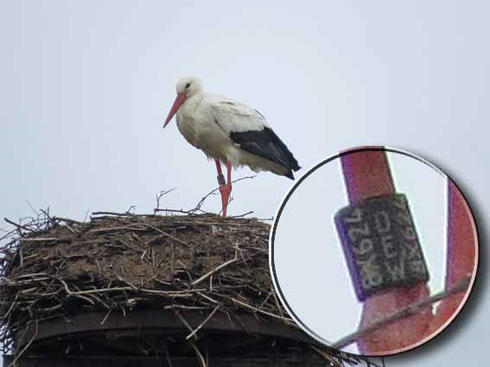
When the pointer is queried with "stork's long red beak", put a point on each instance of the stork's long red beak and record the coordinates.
(177, 103)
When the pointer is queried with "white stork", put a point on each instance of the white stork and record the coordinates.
(229, 132)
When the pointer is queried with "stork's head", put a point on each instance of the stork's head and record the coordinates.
(186, 87)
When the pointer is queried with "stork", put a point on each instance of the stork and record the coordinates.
(228, 132)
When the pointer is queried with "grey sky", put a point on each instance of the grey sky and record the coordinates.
(86, 85)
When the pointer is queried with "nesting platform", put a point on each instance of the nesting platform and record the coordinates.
(171, 290)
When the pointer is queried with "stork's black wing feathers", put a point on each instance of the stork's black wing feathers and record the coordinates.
(266, 144)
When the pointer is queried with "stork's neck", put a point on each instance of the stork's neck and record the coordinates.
(191, 103)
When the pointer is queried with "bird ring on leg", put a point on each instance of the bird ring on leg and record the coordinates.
(381, 245)
(221, 180)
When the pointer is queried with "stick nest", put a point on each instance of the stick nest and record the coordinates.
(124, 262)
(56, 267)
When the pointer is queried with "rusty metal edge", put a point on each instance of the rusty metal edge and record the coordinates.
(160, 362)
(163, 321)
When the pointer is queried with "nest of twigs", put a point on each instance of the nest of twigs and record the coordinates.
(56, 268)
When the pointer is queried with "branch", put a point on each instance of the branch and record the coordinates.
(202, 323)
(218, 268)
(201, 202)
(160, 196)
(404, 312)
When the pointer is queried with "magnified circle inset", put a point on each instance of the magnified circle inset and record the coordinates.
(374, 251)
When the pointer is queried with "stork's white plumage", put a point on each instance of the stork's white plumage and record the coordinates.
(230, 132)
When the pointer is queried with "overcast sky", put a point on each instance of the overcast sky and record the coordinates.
(86, 85)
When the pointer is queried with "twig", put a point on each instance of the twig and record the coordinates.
(125, 214)
(92, 291)
(18, 225)
(202, 323)
(184, 321)
(19, 354)
(333, 362)
(242, 215)
(106, 317)
(167, 354)
(41, 239)
(215, 270)
(276, 300)
(404, 312)
(160, 196)
(208, 298)
(168, 235)
(284, 319)
(201, 202)
(112, 229)
(198, 353)
(67, 220)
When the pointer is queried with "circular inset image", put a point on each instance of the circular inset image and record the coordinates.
(374, 251)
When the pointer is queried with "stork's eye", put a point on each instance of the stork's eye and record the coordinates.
(187, 85)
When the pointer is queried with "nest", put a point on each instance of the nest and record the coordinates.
(117, 263)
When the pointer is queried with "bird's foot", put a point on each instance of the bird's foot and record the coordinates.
(225, 191)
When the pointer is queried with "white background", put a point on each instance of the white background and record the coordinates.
(85, 87)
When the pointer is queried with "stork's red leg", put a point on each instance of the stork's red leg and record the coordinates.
(367, 174)
(221, 178)
(224, 188)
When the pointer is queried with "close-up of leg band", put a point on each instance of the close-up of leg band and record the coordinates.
(381, 245)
